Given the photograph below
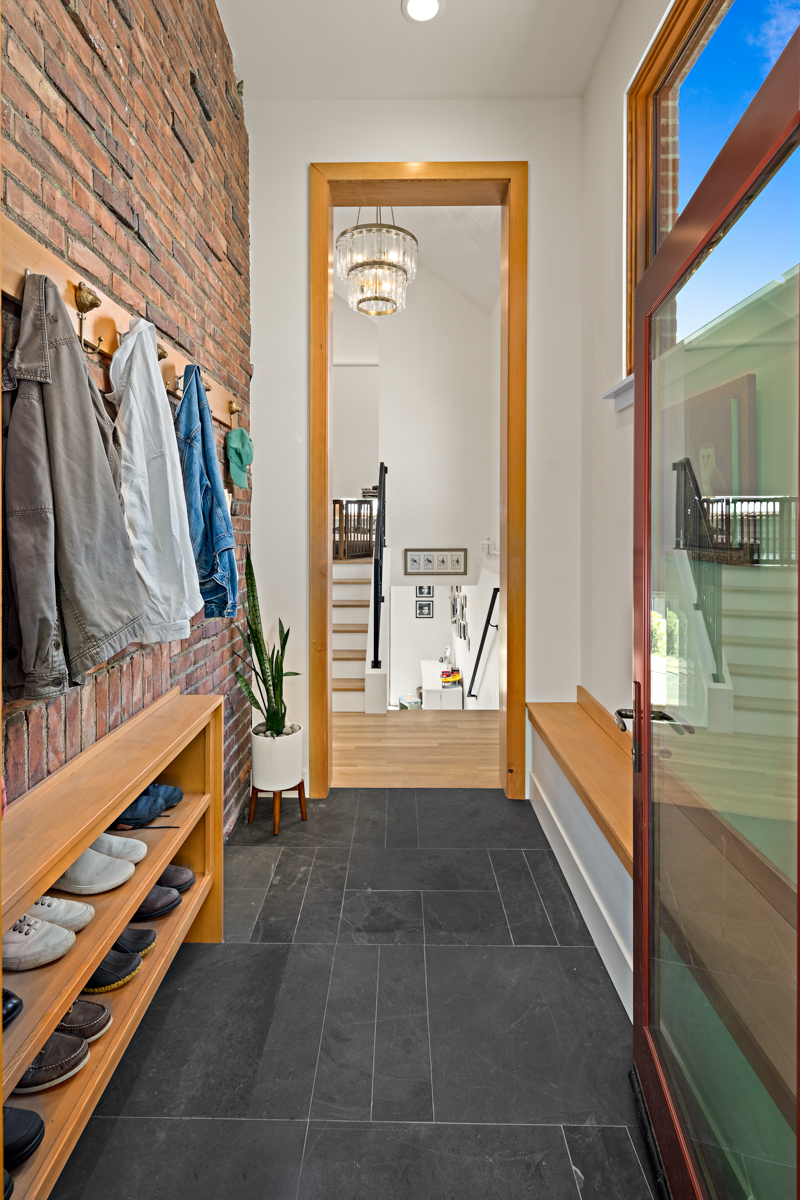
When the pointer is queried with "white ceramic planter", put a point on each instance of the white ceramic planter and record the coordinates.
(277, 762)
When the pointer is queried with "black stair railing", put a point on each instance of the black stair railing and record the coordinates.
(695, 535)
(486, 627)
(377, 568)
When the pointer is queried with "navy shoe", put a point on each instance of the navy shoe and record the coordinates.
(143, 810)
(12, 1007)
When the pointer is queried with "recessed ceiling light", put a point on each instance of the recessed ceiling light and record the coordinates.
(421, 10)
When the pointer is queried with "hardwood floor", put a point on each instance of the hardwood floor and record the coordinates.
(416, 749)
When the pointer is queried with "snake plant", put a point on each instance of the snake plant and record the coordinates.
(265, 663)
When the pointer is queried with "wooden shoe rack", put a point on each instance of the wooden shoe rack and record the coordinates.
(177, 740)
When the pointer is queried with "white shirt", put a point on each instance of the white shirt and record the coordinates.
(152, 487)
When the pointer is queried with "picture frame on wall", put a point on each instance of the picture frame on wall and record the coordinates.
(425, 591)
(425, 609)
(435, 562)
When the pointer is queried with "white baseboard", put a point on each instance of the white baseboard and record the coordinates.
(602, 888)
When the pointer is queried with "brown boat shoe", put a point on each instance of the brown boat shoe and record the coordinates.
(61, 1057)
(86, 1019)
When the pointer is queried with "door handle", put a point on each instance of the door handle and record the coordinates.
(657, 714)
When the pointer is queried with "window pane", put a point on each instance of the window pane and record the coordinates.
(730, 54)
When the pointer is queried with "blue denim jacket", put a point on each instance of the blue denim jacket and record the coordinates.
(209, 521)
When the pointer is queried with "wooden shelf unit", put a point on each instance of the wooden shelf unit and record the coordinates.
(177, 740)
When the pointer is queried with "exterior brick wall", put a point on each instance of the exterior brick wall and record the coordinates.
(124, 151)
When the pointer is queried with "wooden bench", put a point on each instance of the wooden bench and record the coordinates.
(595, 756)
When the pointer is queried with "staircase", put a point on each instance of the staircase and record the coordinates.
(759, 637)
(351, 592)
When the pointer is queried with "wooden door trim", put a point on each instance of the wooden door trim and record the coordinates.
(456, 183)
(767, 131)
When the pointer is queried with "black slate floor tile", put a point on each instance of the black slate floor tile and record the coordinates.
(527, 917)
(465, 919)
(565, 916)
(381, 918)
(401, 818)
(249, 866)
(527, 1034)
(420, 870)
(401, 1089)
(605, 1163)
(240, 913)
(480, 817)
(330, 821)
(319, 916)
(119, 1159)
(343, 1086)
(283, 902)
(232, 1031)
(435, 1162)
(370, 822)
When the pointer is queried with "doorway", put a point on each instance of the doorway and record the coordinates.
(428, 185)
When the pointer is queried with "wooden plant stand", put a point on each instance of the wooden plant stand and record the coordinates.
(276, 805)
(177, 740)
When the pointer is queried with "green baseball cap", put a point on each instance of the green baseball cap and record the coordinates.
(239, 446)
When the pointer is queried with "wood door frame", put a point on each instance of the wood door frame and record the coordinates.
(452, 183)
(768, 130)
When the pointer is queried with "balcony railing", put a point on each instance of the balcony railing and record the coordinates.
(354, 529)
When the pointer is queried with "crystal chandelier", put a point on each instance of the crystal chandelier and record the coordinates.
(376, 261)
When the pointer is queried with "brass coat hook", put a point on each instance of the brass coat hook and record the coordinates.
(234, 407)
(161, 351)
(85, 300)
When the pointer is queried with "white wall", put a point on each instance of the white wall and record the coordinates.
(415, 638)
(606, 459)
(284, 138)
(436, 419)
(355, 335)
(354, 454)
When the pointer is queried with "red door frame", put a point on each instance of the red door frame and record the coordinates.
(769, 127)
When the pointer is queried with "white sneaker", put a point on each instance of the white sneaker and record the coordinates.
(130, 849)
(31, 942)
(93, 873)
(69, 914)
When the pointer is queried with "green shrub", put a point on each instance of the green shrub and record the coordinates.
(673, 635)
(658, 634)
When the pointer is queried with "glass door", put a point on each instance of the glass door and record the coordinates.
(716, 666)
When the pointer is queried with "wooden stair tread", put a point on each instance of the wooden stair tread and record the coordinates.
(349, 654)
(348, 685)
(759, 643)
(354, 582)
(350, 628)
(598, 768)
(351, 603)
(765, 704)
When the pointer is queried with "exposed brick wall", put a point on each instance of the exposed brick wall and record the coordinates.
(124, 151)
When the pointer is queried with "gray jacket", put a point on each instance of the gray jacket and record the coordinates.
(71, 594)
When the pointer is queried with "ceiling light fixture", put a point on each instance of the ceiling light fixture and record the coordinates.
(376, 261)
(421, 10)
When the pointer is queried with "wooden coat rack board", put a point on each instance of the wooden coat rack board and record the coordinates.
(103, 324)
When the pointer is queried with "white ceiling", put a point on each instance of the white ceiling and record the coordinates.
(365, 49)
(461, 245)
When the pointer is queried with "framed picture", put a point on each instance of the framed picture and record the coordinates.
(425, 591)
(716, 430)
(425, 608)
(435, 562)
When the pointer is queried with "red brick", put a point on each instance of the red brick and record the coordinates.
(136, 683)
(101, 704)
(125, 696)
(15, 757)
(88, 144)
(24, 30)
(147, 679)
(55, 733)
(46, 93)
(113, 697)
(37, 757)
(17, 164)
(66, 210)
(89, 261)
(88, 714)
(73, 721)
(30, 141)
(64, 82)
(34, 214)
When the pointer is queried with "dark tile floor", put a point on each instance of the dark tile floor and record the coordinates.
(407, 1005)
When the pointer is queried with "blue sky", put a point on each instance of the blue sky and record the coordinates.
(766, 241)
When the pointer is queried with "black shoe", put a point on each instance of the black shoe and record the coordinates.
(8, 1185)
(23, 1131)
(12, 1007)
(136, 941)
(115, 970)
